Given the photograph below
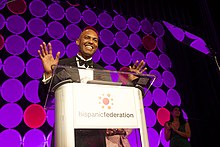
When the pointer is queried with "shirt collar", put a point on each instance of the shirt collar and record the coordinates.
(83, 58)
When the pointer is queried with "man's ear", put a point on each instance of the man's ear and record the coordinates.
(77, 41)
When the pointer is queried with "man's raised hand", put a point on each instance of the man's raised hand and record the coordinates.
(47, 58)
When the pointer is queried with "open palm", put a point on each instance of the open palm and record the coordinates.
(47, 58)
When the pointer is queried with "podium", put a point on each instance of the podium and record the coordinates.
(100, 99)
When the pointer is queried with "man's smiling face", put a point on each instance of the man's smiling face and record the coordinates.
(88, 43)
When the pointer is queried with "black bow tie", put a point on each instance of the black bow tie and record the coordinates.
(88, 63)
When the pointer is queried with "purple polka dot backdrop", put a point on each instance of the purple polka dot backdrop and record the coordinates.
(123, 40)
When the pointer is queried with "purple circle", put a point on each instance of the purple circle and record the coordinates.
(160, 44)
(8, 86)
(162, 139)
(177, 33)
(16, 24)
(34, 137)
(89, 17)
(34, 68)
(73, 32)
(124, 57)
(184, 115)
(55, 30)
(137, 55)
(2, 21)
(2, 5)
(56, 11)
(106, 37)
(200, 45)
(2, 40)
(132, 138)
(15, 44)
(150, 117)
(121, 39)
(169, 79)
(72, 49)
(105, 20)
(146, 26)
(0, 63)
(159, 81)
(10, 138)
(11, 115)
(111, 68)
(37, 27)
(191, 36)
(120, 22)
(33, 45)
(148, 99)
(50, 117)
(165, 62)
(105, 54)
(135, 41)
(158, 29)
(31, 91)
(97, 55)
(173, 97)
(34, 8)
(168, 25)
(49, 138)
(13, 66)
(152, 60)
(160, 97)
(114, 73)
(133, 25)
(58, 46)
(73, 18)
(154, 138)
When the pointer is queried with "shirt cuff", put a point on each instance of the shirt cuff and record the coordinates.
(46, 81)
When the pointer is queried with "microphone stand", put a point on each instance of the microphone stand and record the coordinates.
(213, 54)
(216, 61)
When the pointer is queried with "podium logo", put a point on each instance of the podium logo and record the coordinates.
(106, 101)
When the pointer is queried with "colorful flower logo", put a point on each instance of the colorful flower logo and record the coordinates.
(106, 101)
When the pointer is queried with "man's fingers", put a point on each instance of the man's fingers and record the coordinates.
(143, 70)
(50, 48)
(57, 56)
(140, 65)
(135, 64)
(42, 50)
(39, 53)
(45, 48)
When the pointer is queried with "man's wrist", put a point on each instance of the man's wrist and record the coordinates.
(47, 75)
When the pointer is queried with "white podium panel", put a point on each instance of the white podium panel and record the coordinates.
(80, 105)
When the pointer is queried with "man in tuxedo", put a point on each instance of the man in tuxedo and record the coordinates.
(88, 44)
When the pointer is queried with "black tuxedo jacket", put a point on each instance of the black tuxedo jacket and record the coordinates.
(85, 137)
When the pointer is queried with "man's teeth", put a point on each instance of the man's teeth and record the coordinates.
(88, 47)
